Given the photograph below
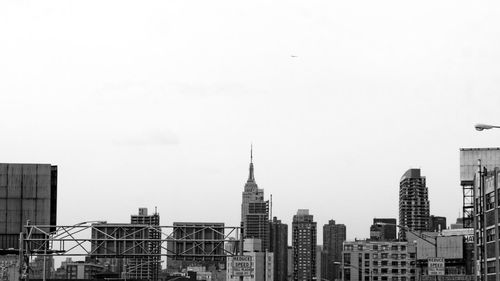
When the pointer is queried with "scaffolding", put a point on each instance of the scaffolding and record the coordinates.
(126, 241)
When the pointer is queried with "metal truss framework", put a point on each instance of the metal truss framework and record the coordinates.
(103, 240)
(468, 203)
(128, 240)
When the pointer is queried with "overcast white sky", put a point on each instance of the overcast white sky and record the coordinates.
(155, 103)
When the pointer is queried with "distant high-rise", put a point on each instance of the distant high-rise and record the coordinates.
(279, 246)
(413, 202)
(147, 267)
(459, 224)
(437, 224)
(304, 246)
(254, 210)
(383, 229)
(333, 237)
(27, 192)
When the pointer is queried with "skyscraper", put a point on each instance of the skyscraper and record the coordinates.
(254, 210)
(413, 202)
(304, 246)
(27, 192)
(333, 237)
(279, 246)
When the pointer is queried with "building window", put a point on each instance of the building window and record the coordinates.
(375, 263)
(375, 256)
(490, 234)
(394, 263)
(367, 256)
(383, 270)
(347, 258)
(384, 278)
(394, 256)
(394, 247)
(347, 274)
(491, 266)
(403, 248)
(360, 247)
(375, 247)
(403, 263)
(384, 255)
(394, 271)
(347, 247)
(384, 263)
(490, 200)
(384, 247)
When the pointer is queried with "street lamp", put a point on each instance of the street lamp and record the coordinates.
(481, 127)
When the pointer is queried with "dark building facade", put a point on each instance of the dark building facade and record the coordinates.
(304, 246)
(333, 237)
(383, 229)
(27, 192)
(255, 210)
(279, 246)
(437, 224)
(487, 208)
(413, 202)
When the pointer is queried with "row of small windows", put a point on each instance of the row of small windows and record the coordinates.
(350, 247)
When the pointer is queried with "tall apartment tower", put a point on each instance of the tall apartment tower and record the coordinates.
(278, 233)
(333, 237)
(147, 267)
(254, 210)
(27, 192)
(413, 202)
(304, 246)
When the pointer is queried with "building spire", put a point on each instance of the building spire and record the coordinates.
(251, 177)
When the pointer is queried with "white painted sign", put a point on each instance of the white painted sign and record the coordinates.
(435, 266)
(243, 266)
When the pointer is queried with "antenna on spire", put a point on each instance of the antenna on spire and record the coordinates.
(271, 207)
(251, 152)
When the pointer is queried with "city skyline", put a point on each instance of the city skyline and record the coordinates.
(157, 104)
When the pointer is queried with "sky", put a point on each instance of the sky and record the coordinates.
(156, 103)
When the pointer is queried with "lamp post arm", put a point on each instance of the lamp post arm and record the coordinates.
(420, 235)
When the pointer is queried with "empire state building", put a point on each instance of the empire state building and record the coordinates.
(254, 210)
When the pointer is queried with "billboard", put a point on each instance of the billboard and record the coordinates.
(242, 266)
(435, 266)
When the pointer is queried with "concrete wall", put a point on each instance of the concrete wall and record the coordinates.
(27, 192)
